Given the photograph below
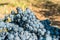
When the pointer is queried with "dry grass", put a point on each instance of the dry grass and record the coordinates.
(12, 4)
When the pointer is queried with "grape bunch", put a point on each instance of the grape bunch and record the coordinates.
(24, 25)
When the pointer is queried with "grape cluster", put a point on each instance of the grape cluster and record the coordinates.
(24, 25)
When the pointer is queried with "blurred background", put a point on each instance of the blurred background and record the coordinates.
(43, 9)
